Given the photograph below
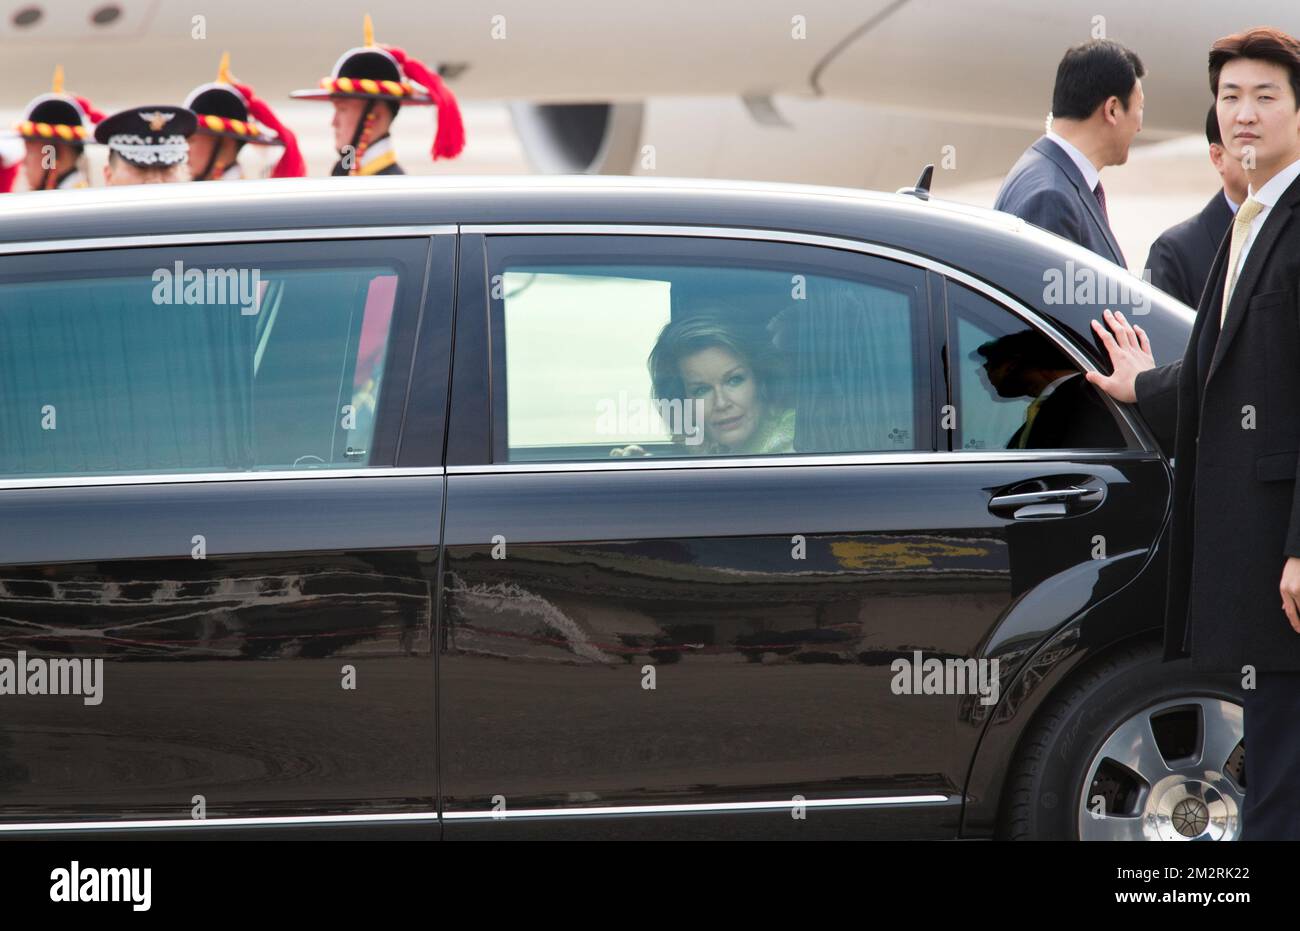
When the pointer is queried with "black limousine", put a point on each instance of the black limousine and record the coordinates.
(503, 508)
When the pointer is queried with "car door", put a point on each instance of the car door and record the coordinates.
(708, 621)
(205, 521)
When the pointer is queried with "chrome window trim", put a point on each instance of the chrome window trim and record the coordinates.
(1135, 429)
(811, 459)
(185, 823)
(178, 478)
(221, 237)
(703, 808)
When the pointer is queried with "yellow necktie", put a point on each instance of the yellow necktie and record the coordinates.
(1246, 214)
(1030, 413)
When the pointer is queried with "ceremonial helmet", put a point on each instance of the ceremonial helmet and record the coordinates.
(384, 73)
(230, 110)
(56, 117)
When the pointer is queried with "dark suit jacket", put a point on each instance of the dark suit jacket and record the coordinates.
(1180, 259)
(1047, 189)
(1236, 514)
(1073, 417)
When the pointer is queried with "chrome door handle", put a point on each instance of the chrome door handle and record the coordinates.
(1046, 496)
(1044, 503)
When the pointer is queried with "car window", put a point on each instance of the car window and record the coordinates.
(649, 346)
(149, 363)
(1013, 387)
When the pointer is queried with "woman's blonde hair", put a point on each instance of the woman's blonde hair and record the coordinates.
(706, 328)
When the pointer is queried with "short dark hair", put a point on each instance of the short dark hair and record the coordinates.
(1090, 74)
(1212, 134)
(1024, 348)
(1265, 44)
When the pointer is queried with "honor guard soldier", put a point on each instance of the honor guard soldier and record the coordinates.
(146, 145)
(367, 87)
(229, 116)
(55, 129)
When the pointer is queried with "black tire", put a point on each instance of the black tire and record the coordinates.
(1043, 792)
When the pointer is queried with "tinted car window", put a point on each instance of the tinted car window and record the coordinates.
(1014, 388)
(632, 346)
(150, 361)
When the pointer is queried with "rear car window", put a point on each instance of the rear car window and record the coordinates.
(193, 367)
(762, 353)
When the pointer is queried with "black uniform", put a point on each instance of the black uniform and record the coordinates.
(1181, 258)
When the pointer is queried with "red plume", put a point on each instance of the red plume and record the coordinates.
(88, 107)
(450, 138)
(291, 164)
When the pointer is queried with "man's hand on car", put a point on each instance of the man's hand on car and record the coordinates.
(1130, 353)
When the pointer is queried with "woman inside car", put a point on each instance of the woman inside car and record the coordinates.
(723, 386)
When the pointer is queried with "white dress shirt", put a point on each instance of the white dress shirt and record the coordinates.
(1232, 204)
(1090, 173)
(1267, 195)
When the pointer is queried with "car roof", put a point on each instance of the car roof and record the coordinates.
(435, 200)
(993, 246)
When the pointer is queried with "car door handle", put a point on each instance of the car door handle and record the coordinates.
(1044, 503)
(1046, 496)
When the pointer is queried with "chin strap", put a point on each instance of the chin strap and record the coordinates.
(450, 137)
(206, 173)
(361, 136)
(50, 179)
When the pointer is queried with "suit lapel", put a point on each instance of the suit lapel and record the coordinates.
(1256, 259)
(1213, 218)
(1062, 161)
(1205, 330)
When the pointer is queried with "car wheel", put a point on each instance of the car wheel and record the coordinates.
(1132, 749)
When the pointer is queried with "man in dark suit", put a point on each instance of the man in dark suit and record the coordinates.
(1065, 411)
(1070, 416)
(1096, 112)
(1234, 545)
(1180, 259)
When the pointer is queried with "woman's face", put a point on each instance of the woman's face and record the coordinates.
(723, 387)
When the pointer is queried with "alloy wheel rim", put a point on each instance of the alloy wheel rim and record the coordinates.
(1141, 786)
